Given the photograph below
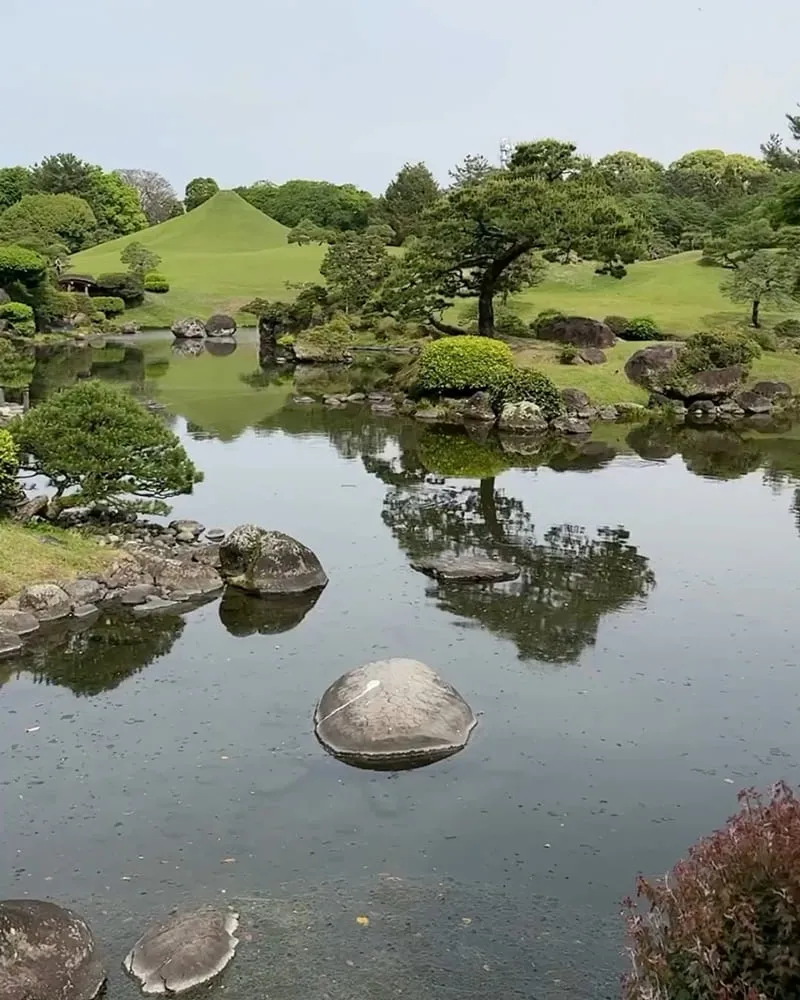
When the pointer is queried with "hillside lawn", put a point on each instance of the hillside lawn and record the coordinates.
(226, 252)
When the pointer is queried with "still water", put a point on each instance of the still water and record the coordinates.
(641, 671)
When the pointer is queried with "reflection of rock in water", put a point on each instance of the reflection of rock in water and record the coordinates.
(188, 348)
(431, 938)
(243, 615)
(221, 347)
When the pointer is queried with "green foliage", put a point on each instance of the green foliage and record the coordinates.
(198, 190)
(631, 174)
(307, 231)
(617, 324)
(568, 354)
(768, 277)
(509, 324)
(16, 313)
(14, 183)
(765, 339)
(723, 923)
(381, 231)
(120, 284)
(20, 264)
(157, 198)
(737, 244)
(788, 328)
(717, 350)
(407, 198)
(519, 385)
(17, 362)
(108, 305)
(9, 470)
(329, 341)
(462, 365)
(472, 170)
(42, 219)
(139, 259)
(543, 319)
(641, 328)
(98, 445)
(355, 267)
(331, 207)
(155, 282)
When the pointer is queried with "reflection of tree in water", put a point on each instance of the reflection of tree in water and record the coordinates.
(568, 580)
(708, 452)
(103, 654)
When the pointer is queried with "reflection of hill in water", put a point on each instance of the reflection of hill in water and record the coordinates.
(99, 655)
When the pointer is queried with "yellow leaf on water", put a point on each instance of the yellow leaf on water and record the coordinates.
(362, 921)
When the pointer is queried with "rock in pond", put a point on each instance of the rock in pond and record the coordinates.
(571, 425)
(10, 644)
(46, 953)
(773, 390)
(269, 562)
(466, 569)
(187, 329)
(186, 950)
(523, 417)
(19, 622)
(392, 714)
(45, 600)
(220, 325)
(753, 402)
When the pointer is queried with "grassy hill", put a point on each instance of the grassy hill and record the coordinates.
(226, 252)
(216, 258)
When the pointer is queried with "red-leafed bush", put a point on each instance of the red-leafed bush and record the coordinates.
(725, 924)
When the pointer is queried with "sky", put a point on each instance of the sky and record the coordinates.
(349, 90)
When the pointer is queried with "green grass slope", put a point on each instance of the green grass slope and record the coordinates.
(216, 258)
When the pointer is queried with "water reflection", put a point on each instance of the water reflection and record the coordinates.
(188, 348)
(100, 654)
(221, 347)
(244, 615)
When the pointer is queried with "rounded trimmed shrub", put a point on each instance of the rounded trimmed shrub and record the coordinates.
(97, 317)
(120, 284)
(111, 305)
(9, 469)
(528, 385)
(567, 354)
(723, 924)
(640, 328)
(20, 264)
(545, 317)
(787, 328)
(155, 282)
(18, 315)
(718, 350)
(617, 324)
(463, 365)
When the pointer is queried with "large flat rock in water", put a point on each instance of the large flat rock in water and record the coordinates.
(467, 569)
(392, 714)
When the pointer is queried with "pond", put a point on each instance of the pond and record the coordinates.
(642, 669)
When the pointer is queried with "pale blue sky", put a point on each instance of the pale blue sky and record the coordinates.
(347, 90)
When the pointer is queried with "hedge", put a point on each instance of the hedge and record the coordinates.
(155, 282)
(528, 385)
(120, 284)
(111, 305)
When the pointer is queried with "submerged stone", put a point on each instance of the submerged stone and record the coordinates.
(269, 562)
(466, 569)
(10, 643)
(184, 951)
(392, 714)
(46, 953)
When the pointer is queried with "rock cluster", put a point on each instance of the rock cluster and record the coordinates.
(217, 326)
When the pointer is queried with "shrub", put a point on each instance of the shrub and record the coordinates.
(330, 341)
(765, 339)
(526, 384)
(724, 924)
(97, 317)
(19, 315)
(787, 328)
(641, 328)
(718, 350)
(463, 365)
(20, 264)
(98, 445)
(567, 354)
(111, 305)
(9, 469)
(508, 324)
(155, 282)
(17, 362)
(120, 284)
(544, 317)
(55, 306)
(617, 324)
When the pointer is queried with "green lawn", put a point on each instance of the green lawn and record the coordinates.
(226, 252)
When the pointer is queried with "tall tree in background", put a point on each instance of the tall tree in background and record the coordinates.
(157, 197)
(339, 207)
(472, 169)
(767, 278)
(40, 221)
(779, 156)
(406, 199)
(14, 183)
(355, 267)
(199, 190)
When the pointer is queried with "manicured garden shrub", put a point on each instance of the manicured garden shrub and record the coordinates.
(567, 354)
(97, 317)
(508, 324)
(9, 468)
(544, 317)
(617, 324)
(641, 328)
(787, 328)
(111, 305)
(329, 341)
(19, 315)
(463, 365)
(20, 264)
(120, 284)
(718, 350)
(527, 385)
(765, 339)
(155, 282)
(725, 923)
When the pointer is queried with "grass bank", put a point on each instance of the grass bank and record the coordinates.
(42, 554)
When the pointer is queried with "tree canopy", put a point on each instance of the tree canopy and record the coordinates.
(40, 220)
(355, 267)
(338, 207)
(406, 199)
(199, 190)
(157, 197)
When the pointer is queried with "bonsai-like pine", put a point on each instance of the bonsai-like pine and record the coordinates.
(98, 445)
